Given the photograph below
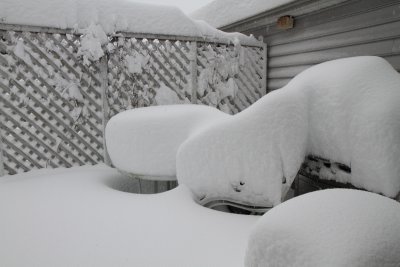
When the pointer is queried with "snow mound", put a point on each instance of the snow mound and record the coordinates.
(72, 217)
(145, 140)
(354, 118)
(335, 227)
(346, 110)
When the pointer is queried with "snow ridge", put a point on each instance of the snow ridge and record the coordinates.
(112, 16)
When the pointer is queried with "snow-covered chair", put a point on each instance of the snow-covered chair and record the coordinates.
(335, 227)
(340, 110)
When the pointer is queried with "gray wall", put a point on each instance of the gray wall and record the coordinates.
(350, 28)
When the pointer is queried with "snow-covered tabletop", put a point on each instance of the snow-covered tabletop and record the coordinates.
(76, 217)
(144, 141)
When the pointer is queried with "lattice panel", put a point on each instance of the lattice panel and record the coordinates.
(51, 104)
(54, 108)
(230, 77)
(228, 67)
(137, 68)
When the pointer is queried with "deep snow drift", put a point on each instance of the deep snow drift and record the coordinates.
(346, 110)
(335, 227)
(74, 217)
(145, 141)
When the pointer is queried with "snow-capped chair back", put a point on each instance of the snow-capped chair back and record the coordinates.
(144, 141)
(346, 110)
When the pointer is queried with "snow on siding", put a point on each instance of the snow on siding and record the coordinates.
(327, 30)
(223, 12)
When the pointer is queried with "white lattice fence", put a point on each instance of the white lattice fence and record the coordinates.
(54, 108)
(139, 67)
(51, 105)
(231, 77)
(228, 77)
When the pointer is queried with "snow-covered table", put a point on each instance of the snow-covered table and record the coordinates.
(78, 217)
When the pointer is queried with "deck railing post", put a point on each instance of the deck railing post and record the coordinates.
(193, 70)
(265, 65)
(103, 66)
(2, 172)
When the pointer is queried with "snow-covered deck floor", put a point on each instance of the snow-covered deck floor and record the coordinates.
(74, 217)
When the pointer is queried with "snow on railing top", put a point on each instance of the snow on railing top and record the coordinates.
(113, 16)
(224, 12)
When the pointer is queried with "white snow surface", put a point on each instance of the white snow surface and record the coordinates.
(210, 32)
(91, 44)
(145, 140)
(137, 62)
(74, 217)
(111, 15)
(346, 110)
(167, 96)
(329, 228)
(223, 12)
